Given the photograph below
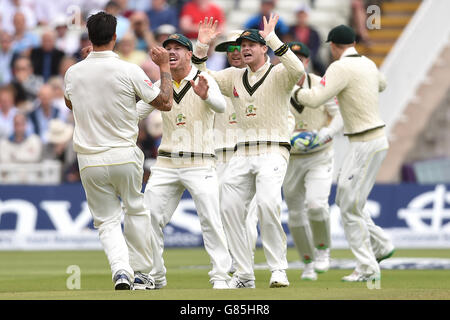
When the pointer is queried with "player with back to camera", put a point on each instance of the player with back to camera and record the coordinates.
(186, 160)
(309, 175)
(356, 82)
(260, 94)
(101, 91)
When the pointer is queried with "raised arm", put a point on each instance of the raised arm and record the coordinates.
(206, 34)
(292, 68)
(164, 100)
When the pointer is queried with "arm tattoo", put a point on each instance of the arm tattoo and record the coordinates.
(166, 85)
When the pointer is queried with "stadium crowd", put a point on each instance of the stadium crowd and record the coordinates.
(40, 40)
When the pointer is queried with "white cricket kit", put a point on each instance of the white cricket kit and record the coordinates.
(309, 175)
(356, 82)
(261, 101)
(102, 89)
(186, 160)
(225, 138)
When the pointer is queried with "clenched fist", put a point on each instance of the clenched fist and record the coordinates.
(160, 56)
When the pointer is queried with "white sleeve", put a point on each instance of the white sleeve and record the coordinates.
(143, 86)
(67, 85)
(215, 99)
(143, 108)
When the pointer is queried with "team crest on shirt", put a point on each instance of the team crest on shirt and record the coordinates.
(323, 81)
(301, 126)
(232, 118)
(250, 111)
(235, 93)
(180, 120)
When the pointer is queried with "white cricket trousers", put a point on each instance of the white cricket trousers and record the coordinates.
(307, 187)
(162, 195)
(246, 177)
(130, 250)
(252, 217)
(356, 180)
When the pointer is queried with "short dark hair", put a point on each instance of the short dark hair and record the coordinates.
(101, 28)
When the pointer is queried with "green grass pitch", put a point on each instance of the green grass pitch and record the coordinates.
(42, 275)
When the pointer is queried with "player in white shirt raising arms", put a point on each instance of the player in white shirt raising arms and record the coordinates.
(356, 82)
(186, 160)
(309, 174)
(101, 91)
(260, 95)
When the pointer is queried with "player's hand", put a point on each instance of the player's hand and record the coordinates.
(201, 88)
(324, 136)
(207, 31)
(269, 26)
(85, 51)
(159, 55)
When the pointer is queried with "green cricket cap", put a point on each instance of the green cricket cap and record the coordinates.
(181, 39)
(252, 35)
(341, 34)
(298, 47)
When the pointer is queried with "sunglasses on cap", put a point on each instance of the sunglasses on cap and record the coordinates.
(232, 48)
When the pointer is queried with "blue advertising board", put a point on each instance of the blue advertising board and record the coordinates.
(57, 217)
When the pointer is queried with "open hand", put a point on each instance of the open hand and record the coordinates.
(207, 30)
(201, 88)
(269, 26)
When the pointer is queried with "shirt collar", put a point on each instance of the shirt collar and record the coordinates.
(262, 69)
(191, 74)
(102, 54)
(348, 51)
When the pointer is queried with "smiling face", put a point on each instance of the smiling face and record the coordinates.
(253, 53)
(234, 56)
(179, 55)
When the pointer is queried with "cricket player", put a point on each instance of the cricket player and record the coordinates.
(356, 82)
(260, 94)
(309, 174)
(101, 91)
(226, 129)
(186, 160)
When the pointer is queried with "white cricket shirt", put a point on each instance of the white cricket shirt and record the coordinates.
(103, 89)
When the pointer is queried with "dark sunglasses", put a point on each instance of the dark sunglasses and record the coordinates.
(232, 48)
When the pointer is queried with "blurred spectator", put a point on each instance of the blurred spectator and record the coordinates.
(65, 64)
(25, 83)
(60, 147)
(45, 111)
(46, 58)
(140, 26)
(6, 58)
(84, 42)
(162, 13)
(65, 41)
(24, 40)
(140, 5)
(123, 24)
(163, 32)
(359, 18)
(126, 50)
(305, 33)
(9, 8)
(57, 85)
(21, 146)
(256, 22)
(7, 111)
(195, 11)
